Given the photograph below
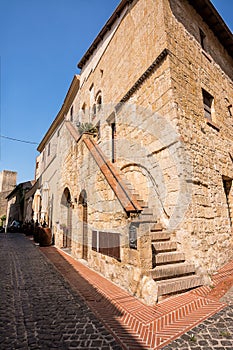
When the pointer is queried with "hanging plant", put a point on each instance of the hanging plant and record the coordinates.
(87, 127)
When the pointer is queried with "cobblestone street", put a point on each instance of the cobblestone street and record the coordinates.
(38, 309)
(51, 301)
(214, 333)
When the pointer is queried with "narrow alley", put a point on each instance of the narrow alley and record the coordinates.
(38, 309)
(51, 301)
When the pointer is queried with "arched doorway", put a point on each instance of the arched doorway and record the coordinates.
(83, 202)
(66, 217)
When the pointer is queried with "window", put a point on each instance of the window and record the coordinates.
(202, 39)
(113, 132)
(98, 129)
(71, 113)
(99, 102)
(208, 104)
(94, 111)
(83, 111)
(48, 149)
(92, 101)
(227, 185)
(107, 243)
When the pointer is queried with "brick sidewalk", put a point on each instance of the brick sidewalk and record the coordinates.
(133, 324)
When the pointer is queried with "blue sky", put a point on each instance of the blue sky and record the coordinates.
(41, 42)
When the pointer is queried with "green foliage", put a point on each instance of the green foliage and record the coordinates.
(193, 338)
(87, 127)
(225, 334)
(3, 218)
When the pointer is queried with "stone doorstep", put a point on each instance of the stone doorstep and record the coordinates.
(169, 257)
(172, 270)
(142, 203)
(156, 227)
(175, 285)
(164, 246)
(160, 236)
(143, 221)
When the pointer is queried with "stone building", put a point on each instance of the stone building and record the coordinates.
(137, 166)
(16, 202)
(7, 184)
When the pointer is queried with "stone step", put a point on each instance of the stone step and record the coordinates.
(160, 236)
(148, 217)
(143, 220)
(147, 211)
(157, 227)
(178, 284)
(168, 258)
(166, 246)
(172, 270)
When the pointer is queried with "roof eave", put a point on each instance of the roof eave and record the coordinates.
(103, 31)
(216, 23)
(73, 89)
(223, 33)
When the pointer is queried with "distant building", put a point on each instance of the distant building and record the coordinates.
(144, 193)
(7, 184)
(16, 202)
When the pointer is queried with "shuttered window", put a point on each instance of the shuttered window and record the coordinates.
(108, 243)
(94, 240)
(207, 102)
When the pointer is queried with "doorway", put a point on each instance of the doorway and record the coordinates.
(227, 185)
(66, 217)
(83, 202)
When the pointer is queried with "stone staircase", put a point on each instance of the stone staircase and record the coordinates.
(169, 269)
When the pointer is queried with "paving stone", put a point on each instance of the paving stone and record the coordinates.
(43, 312)
(208, 335)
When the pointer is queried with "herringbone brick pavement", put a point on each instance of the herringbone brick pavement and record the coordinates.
(135, 325)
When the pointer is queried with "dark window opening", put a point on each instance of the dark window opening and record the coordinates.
(94, 111)
(202, 39)
(98, 130)
(208, 102)
(227, 184)
(230, 110)
(99, 103)
(113, 128)
(48, 149)
(83, 108)
(71, 113)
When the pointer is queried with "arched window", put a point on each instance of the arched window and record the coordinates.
(99, 103)
(98, 99)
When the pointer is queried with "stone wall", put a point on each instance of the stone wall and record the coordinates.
(176, 160)
(205, 233)
(7, 184)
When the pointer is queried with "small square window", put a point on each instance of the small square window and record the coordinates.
(208, 103)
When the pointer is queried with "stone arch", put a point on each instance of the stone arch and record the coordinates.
(66, 218)
(140, 178)
(82, 201)
(145, 186)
